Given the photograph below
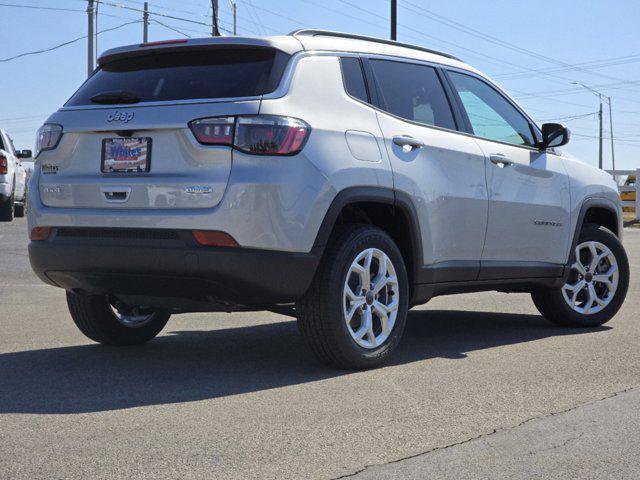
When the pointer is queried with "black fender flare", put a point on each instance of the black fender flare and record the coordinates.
(388, 196)
(591, 202)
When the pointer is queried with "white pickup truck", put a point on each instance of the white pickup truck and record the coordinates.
(13, 186)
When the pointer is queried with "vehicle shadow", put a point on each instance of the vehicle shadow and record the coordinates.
(184, 366)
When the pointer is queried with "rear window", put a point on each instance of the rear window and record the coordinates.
(211, 73)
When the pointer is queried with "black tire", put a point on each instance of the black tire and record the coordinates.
(320, 313)
(552, 305)
(94, 316)
(20, 210)
(7, 210)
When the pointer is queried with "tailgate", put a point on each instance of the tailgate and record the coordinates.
(177, 172)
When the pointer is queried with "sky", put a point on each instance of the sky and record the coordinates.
(534, 50)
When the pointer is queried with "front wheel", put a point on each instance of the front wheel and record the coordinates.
(355, 311)
(597, 284)
(108, 322)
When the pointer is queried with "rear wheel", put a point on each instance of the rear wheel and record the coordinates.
(597, 284)
(20, 209)
(355, 311)
(7, 210)
(108, 322)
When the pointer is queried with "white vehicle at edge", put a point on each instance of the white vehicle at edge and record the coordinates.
(13, 186)
(336, 178)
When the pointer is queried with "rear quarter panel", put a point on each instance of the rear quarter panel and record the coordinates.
(345, 147)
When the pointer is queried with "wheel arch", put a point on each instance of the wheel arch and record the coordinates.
(598, 211)
(399, 220)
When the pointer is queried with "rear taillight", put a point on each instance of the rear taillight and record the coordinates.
(214, 131)
(47, 137)
(4, 165)
(254, 134)
(39, 234)
(212, 238)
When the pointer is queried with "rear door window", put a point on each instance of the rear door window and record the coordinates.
(187, 75)
(413, 92)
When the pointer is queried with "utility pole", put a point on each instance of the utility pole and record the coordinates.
(145, 20)
(95, 47)
(215, 32)
(394, 19)
(600, 96)
(600, 136)
(90, 33)
(613, 154)
(235, 14)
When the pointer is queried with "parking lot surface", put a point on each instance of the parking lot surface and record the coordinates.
(481, 387)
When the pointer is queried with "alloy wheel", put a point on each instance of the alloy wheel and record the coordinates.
(371, 298)
(593, 280)
(133, 317)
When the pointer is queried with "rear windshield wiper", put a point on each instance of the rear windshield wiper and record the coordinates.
(119, 96)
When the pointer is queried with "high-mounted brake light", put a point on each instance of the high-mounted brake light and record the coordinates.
(254, 134)
(4, 165)
(163, 42)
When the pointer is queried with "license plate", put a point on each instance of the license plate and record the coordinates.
(126, 155)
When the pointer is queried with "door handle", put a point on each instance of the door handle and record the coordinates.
(407, 141)
(500, 160)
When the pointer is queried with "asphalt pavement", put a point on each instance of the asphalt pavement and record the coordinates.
(481, 387)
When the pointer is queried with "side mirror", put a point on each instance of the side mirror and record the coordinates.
(554, 135)
(24, 154)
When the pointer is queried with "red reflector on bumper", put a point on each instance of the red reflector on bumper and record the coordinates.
(40, 233)
(214, 239)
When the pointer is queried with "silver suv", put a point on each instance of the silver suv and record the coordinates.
(335, 178)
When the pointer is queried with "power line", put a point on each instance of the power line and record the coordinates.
(171, 28)
(570, 117)
(460, 47)
(158, 14)
(280, 15)
(489, 38)
(21, 119)
(254, 17)
(571, 91)
(592, 64)
(37, 7)
(44, 50)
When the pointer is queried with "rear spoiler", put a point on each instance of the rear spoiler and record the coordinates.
(286, 44)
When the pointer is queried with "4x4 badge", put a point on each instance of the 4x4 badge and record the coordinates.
(123, 117)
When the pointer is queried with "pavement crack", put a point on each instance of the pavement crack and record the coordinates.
(492, 432)
(556, 447)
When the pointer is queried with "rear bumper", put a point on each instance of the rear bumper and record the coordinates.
(171, 266)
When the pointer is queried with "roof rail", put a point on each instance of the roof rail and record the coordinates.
(328, 33)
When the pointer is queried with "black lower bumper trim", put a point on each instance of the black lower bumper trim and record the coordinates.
(173, 268)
